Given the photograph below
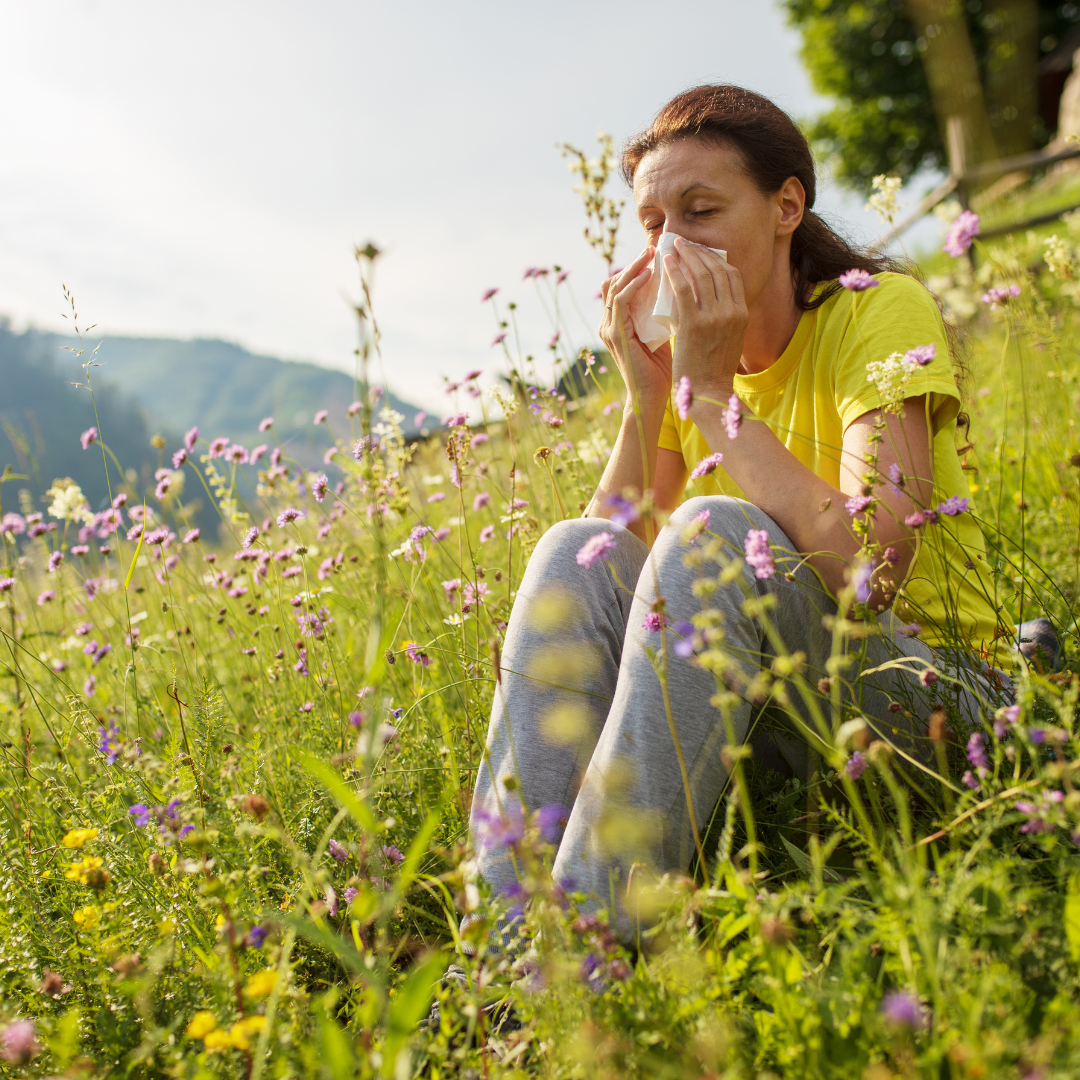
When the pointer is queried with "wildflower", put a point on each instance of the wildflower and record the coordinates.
(68, 503)
(320, 416)
(339, 851)
(855, 766)
(976, 753)
(494, 830)
(217, 446)
(255, 937)
(262, 983)
(55, 559)
(288, 515)
(440, 534)
(86, 917)
(921, 355)
(192, 535)
(915, 520)
(13, 523)
(858, 280)
(239, 590)
(77, 837)
(858, 503)
(237, 454)
(160, 535)
(88, 871)
(90, 688)
(685, 646)
(890, 377)
(202, 1023)
(479, 439)
(472, 594)
(488, 294)
(451, 586)
(266, 423)
(654, 622)
(391, 854)
(625, 510)
(110, 742)
(961, 234)
(596, 547)
(732, 416)
(189, 438)
(684, 398)
(250, 536)
(455, 476)
(481, 500)
(1001, 296)
(6, 584)
(141, 813)
(706, 466)
(902, 1009)
(860, 581)
(928, 677)
(179, 458)
(351, 894)
(969, 779)
(45, 597)
(84, 628)
(883, 201)
(758, 554)
(554, 339)
(499, 339)
(331, 901)
(891, 556)
(18, 1042)
(896, 479)
(258, 453)
(248, 652)
(1058, 260)
(953, 506)
(486, 533)
(87, 437)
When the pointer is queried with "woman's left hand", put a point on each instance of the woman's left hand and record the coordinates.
(712, 320)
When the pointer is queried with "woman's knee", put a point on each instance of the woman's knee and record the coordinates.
(723, 515)
(559, 547)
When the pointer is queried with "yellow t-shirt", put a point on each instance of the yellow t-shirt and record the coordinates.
(813, 393)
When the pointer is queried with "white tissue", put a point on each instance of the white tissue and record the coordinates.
(655, 311)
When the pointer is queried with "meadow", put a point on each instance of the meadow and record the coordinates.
(236, 769)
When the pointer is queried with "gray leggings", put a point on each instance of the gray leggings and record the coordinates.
(579, 718)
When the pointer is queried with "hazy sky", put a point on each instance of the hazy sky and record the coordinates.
(205, 169)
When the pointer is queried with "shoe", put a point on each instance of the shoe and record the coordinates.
(1039, 643)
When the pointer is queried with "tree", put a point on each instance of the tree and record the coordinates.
(872, 56)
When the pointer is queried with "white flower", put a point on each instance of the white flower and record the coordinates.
(1059, 260)
(890, 376)
(883, 201)
(506, 402)
(68, 502)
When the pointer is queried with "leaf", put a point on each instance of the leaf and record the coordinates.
(1072, 917)
(410, 1004)
(417, 850)
(135, 557)
(803, 863)
(337, 1052)
(337, 787)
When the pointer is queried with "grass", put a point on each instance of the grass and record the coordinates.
(235, 843)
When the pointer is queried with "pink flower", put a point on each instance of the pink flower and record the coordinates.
(921, 355)
(451, 586)
(80, 549)
(250, 537)
(732, 416)
(319, 486)
(87, 437)
(654, 622)
(961, 234)
(481, 501)
(436, 496)
(217, 446)
(858, 280)
(13, 523)
(162, 489)
(120, 500)
(18, 1042)
(858, 503)
(499, 338)
(457, 420)
(441, 534)
(192, 535)
(45, 597)
(237, 454)
(354, 409)
(266, 423)
(488, 294)
(891, 556)
(189, 438)
(915, 520)
(758, 554)
(856, 766)
(179, 458)
(287, 516)
(1001, 296)
(706, 466)
(320, 416)
(684, 398)
(596, 547)
(55, 559)
(472, 594)
(258, 452)
(486, 533)
(6, 584)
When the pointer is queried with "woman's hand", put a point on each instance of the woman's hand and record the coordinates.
(712, 319)
(647, 374)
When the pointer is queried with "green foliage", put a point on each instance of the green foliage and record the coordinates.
(867, 55)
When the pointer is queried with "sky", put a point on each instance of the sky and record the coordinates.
(206, 169)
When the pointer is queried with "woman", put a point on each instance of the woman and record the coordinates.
(772, 349)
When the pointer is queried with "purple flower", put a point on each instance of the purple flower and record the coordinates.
(217, 446)
(902, 1009)
(655, 621)
(6, 584)
(255, 937)
(596, 547)
(391, 855)
(339, 851)
(551, 820)
(970, 779)
(1000, 296)
(488, 294)
(55, 559)
(266, 423)
(350, 894)
(13, 523)
(110, 742)
(87, 437)
(625, 511)
(910, 630)
(189, 438)
(684, 647)
(961, 234)
(954, 505)
(858, 280)
(758, 554)
(706, 466)
(494, 831)
(860, 581)
(684, 398)
(858, 503)
(319, 486)
(192, 535)
(976, 752)
(90, 686)
(237, 454)
(486, 533)
(141, 813)
(287, 516)
(441, 534)
(921, 355)
(18, 1042)
(928, 677)
(250, 536)
(45, 597)
(855, 766)
(499, 338)
(320, 416)
(457, 420)
(732, 416)
(481, 501)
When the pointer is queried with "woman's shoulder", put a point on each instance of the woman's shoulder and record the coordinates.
(891, 289)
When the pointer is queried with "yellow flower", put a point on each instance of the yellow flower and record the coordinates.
(241, 1032)
(86, 917)
(77, 837)
(217, 1040)
(166, 927)
(262, 983)
(202, 1023)
(219, 923)
(81, 871)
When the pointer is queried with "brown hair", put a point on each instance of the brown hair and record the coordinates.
(772, 149)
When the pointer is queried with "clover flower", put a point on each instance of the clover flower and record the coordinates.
(855, 765)
(961, 234)
(706, 465)
(758, 555)
(684, 398)
(88, 436)
(595, 548)
(655, 621)
(858, 280)
(338, 851)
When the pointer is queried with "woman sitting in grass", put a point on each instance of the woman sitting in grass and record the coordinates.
(808, 397)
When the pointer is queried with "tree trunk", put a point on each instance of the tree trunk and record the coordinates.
(953, 77)
(1012, 82)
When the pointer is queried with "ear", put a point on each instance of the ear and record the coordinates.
(791, 201)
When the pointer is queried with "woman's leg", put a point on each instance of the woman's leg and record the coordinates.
(560, 663)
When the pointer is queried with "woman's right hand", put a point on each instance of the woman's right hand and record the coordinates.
(647, 374)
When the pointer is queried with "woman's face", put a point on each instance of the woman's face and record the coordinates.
(703, 193)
